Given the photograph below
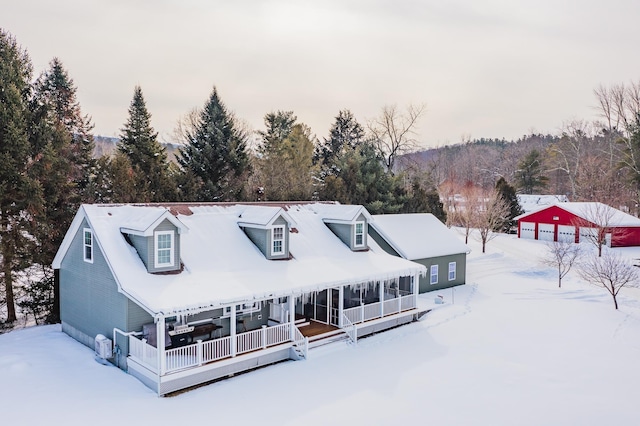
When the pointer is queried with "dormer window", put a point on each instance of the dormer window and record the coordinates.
(87, 237)
(164, 252)
(277, 240)
(358, 240)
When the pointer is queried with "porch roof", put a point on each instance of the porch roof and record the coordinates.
(222, 265)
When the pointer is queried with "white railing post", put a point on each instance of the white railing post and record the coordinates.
(292, 317)
(232, 330)
(399, 303)
(381, 284)
(199, 351)
(264, 337)
(160, 346)
(340, 305)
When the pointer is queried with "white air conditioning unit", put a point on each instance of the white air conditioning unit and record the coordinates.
(103, 347)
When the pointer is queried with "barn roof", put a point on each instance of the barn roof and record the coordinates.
(593, 212)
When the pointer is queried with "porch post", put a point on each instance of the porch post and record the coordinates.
(232, 330)
(160, 332)
(381, 286)
(292, 317)
(415, 280)
(340, 305)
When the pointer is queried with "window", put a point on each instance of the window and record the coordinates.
(277, 240)
(164, 248)
(88, 245)
(434, 274)
(452, 271)
(359, 234)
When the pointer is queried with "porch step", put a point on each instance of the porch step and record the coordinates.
(327, 338)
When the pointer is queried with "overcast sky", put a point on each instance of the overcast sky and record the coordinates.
(489, 69)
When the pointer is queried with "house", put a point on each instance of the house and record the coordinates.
(579, 221)
(531, 202)
(183, 294)
(422, 238)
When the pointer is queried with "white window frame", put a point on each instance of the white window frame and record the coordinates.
(356, 233)
(86, 246)
(452, 271)
(282, 250)
(433, 273)
(156, 249)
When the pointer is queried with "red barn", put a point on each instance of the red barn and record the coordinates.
(577, 221)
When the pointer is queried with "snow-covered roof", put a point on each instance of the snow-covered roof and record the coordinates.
(222, 265)
(417, 235)
(340, 213)
(530, 202)
(593, 212)
(260, 216)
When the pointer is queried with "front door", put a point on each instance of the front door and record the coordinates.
(334, 307)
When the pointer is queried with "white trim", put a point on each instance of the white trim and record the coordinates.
(281, 239)
(452, 270)
(172, 239)
(355, 234)
(85, 245)
(432, 269)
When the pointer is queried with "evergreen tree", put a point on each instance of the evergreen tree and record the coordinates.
(424, 200)
(508, 193)
(529, 176)
(216, 155)
(285, 163)
(20, 195)
(139, 142)
(346, 133)
(55, 103)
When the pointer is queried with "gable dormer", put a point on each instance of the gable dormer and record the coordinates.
(349, 223)
(268, 228)
(156, 238)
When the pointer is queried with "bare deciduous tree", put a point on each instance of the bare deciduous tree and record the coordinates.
(561, 255)
(491, 215)
(611, 272)
(394, 132)
(597, 224)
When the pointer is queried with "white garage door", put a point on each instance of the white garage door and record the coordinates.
(545, 231)
(588, 234)
(567, 233)
(527, 230)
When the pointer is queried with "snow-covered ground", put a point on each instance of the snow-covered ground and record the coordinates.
(508, 348)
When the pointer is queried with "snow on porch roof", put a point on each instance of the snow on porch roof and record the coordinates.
(222, 265)
(418, 235)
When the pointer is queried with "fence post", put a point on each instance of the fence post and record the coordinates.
(264, 337)
(199, 351)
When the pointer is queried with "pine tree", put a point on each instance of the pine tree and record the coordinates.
(508, 193)
(216, 154)
(529, 176)
(346, 133)
(139, 142)
(20, 195)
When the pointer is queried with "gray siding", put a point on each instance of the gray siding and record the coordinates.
(258, 237)
(443, 272)
(89, 297)
(382, 242)
(262, 239)
(145, 246)
(346, 233)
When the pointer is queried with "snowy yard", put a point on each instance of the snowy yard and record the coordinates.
(508, 348)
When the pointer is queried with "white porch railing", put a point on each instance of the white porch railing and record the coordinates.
(378, 310)
(143, 353)
(408, 302)
(301, 342)
(350, 329)
(212, 350)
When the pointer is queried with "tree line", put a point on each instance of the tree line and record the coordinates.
(47, 169)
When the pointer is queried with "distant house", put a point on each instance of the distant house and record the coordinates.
(577, 222)
(531, 202)
(182, 294)
(424, 239)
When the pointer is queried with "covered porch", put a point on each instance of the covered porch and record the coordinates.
(186, 349)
